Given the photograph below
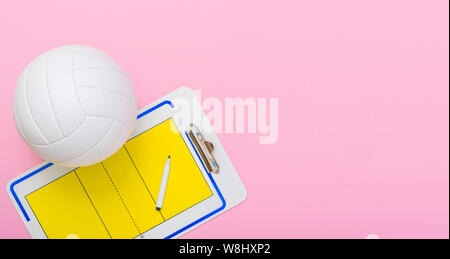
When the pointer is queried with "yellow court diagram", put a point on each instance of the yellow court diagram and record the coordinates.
(116, 198)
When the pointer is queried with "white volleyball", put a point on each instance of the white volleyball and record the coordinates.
(74, 106)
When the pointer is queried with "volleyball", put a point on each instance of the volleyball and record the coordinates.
(74, 106)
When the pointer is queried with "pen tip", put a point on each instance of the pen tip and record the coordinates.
(169, 156)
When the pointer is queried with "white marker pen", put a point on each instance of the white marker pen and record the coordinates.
(162, 187)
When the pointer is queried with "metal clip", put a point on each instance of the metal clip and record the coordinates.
(204, 148)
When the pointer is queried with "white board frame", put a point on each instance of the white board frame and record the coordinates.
(182, 106)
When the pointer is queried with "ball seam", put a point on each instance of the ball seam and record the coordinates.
(50, 98)
(108, 90)
(100, 67)
(27, 105)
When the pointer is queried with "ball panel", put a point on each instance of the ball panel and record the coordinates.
(80, 48)
(82, 140)
(105, 148)
(93, 59)
(38, 99)
(19, 128)
(111, 80)
(103, 103)
(25, 123)
(62, 91)
(124, 136)
(130, 129)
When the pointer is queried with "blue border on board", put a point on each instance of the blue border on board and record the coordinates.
(167, 102)
(11, 187)
(218, 192)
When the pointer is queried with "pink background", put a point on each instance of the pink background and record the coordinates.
(363, 90)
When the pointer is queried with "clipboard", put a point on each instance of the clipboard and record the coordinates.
(116, 197)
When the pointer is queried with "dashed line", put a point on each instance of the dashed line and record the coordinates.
(120, 196)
